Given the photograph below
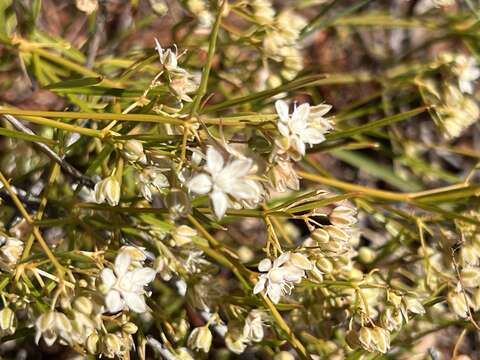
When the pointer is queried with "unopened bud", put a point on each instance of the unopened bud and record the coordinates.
(83, 304)
(108, 190)
(200, 339)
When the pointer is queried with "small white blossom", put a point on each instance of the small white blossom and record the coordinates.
(53, 325)
(124, 288)
(10, 251)
(278, 277)
(169, 59)
(467, 71)
(200, 339)
(220, 181)
(253, 328)
(150, 181)
(306, 125)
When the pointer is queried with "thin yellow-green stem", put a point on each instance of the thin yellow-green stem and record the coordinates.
(291, 338)
(35, 230)
(41, 209)
(212, 44)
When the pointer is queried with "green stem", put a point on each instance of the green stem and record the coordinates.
(202, 89)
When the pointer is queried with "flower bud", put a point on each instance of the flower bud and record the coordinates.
(321, 236)
(92, 343)
(366, 255)
(283, 355)
(7, 321)
(342, 216)
(414, 305)
(301, 261)
(200, 339)
(324, 265)
(183, 235)
(458, 303)
(108, 190)
(130, 328)
(133, 151)
(365, 338)
(471, 277)
(83, 304)
(381, 339)
(112, 345)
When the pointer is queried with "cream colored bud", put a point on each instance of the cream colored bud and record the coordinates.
(381, 339)
(130, 328)
(200, 339)
(365, 338)
(7, 321)
(414, 305)
(337, 233)
(366, 255)
(324, 265)
(284, 355)
(112, 345)
(342, 216)
(83, 304)
(321, 236)
(183, 235)
(470, 277)
(92, 343)
(458, 303)
(87, 6)
(301, 261)
(133, 151)
(108, 190)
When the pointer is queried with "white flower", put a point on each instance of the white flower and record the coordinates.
(151, 180)
(200, 339)
(53, 325)
(124, 288)
(467, 71)
(221, 180)
(169, 59)
(253, 328)
(306, 125)
(279, 276)
(10, 251)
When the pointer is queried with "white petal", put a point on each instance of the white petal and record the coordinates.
(282, 259)
(282, 110)
(264, 265)
(312, 135)
(113, 301)
(237, 168)
(299, 118)
(274, 291)
(200, 184)
(135, 302)
(122, 262)
(108, 278)
(320, 110)
(143, 276)
(260, 285)
(283, 129)
(214, 161)
(219, 202)
(243, 190)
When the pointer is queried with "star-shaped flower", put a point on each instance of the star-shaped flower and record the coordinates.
(222, 180)
(125, 288)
